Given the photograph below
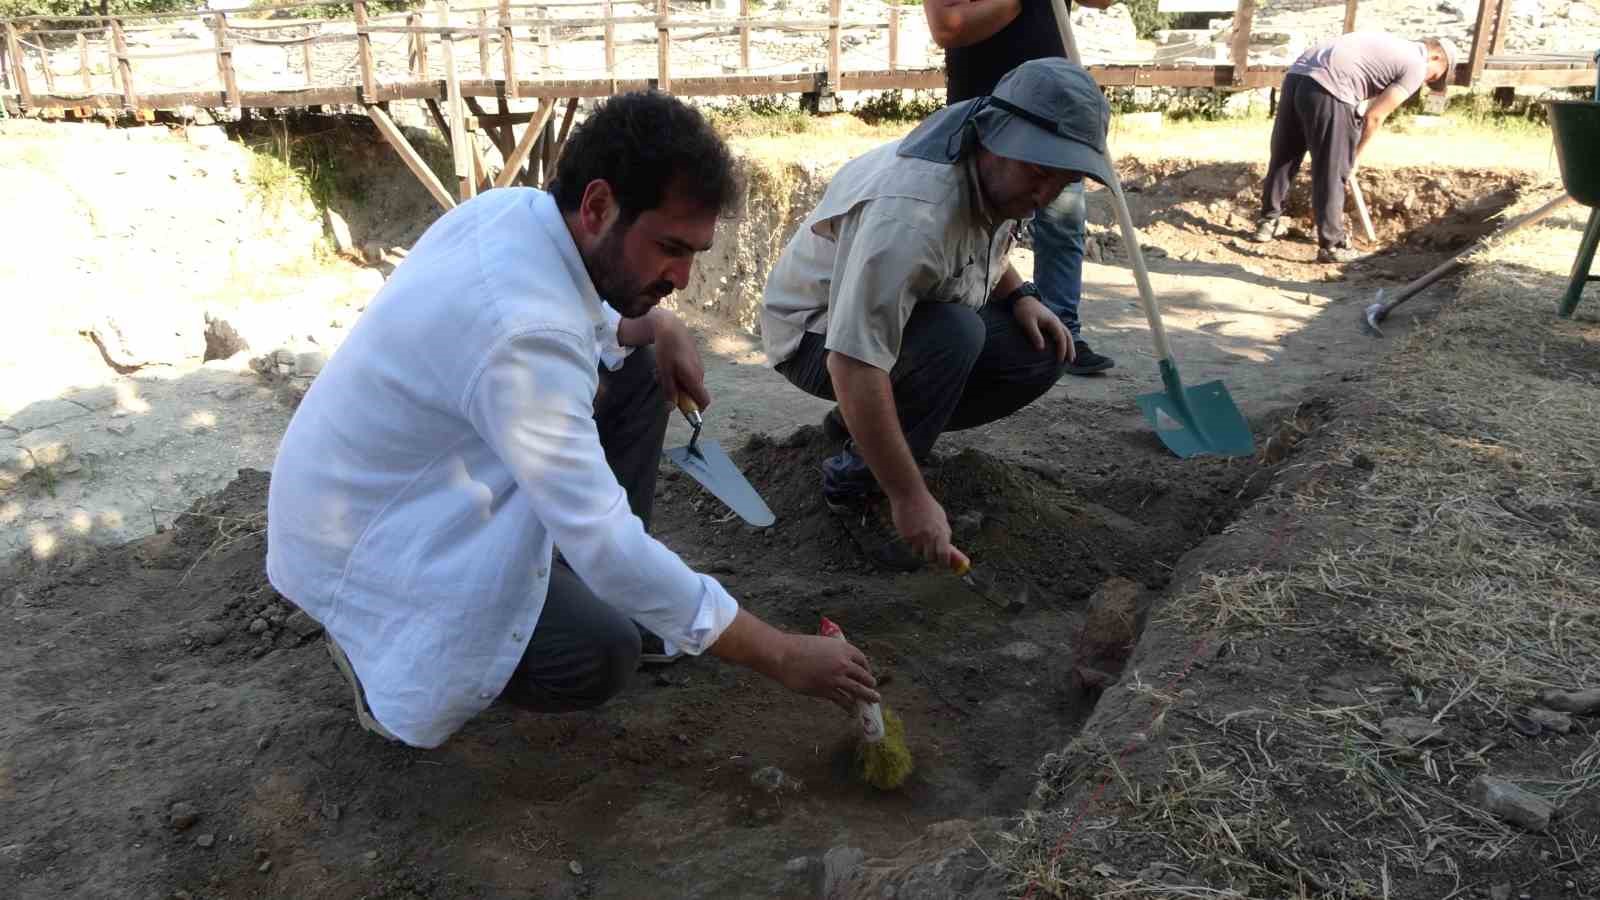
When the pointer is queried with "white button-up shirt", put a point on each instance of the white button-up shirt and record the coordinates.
(444, 450)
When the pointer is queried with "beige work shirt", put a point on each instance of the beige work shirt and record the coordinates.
(890, 232)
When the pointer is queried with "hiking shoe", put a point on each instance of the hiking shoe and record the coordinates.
(1266, 230)
(865, 521)
(1339, 254)
(1087, 362)
(363, 712)
(653, 650)
(833, 427)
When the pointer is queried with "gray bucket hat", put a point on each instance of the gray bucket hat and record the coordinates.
(1451, 57)
(1048, 112)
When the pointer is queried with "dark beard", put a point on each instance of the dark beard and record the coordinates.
(627, 294)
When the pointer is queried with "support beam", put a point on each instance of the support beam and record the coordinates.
(611, 44)
(833, 45)
(305, 62)
(409, 156)
(1502, 24)
(483, 43)
(508, 49)
(894, 38)
(1243, 18)
(1349, 16)
(44, 66)
(83, 64)
(561, 143)
(419, 48)
(455, 112)
(369, 80)
(1482, 38)
(497, 132)
(663, 47)
(744, 36)
(525, 144)
(119, 42)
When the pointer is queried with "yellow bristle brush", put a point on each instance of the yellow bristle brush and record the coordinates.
(882, 758)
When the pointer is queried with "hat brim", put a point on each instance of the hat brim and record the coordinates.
(1015, 138)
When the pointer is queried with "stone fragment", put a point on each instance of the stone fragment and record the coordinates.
(182, 815)
(1512, 803)
(1412, 730)
(1583, 703)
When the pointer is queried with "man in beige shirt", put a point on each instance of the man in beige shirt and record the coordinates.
(895, 297)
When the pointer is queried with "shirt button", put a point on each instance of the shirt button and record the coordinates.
(542, 572)
(485, 695)
(516, 635)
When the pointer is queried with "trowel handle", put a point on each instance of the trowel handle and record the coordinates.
(690, 410)
(870, 715)
(1141, 275)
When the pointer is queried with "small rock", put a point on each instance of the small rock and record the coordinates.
(211, 633)
(1546, 720)
(183, 814)
(265, 867)
(772, 779)
(120, 429)
(1500, 892)
(331, 811)
(259, 625)
(205, 840)
(372, 854)
(798, 866)
(302, 624)
(838, 865)
(1412, 730)
(265, 740)
(575, 867)
(1583, 703)
(1512, 803)
(1022, 651)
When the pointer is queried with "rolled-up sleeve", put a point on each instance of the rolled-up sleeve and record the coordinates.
(531, 403)
(612, 353)
(883, 266)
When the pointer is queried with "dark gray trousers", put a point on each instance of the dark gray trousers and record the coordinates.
(1311, 119)
(958, 368)
(583, 651)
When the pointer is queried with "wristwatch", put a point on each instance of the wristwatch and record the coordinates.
(1025, 289)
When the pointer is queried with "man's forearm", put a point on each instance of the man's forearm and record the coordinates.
(959, 23)
(1009, 281)
(866, 397)
(752, 643)
(1370, 124)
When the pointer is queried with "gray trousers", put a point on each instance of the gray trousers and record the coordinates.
(1312, 120)
(958, 368)
(583, 651)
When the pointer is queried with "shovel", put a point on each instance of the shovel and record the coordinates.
(1190, 421)
(710, 466)
(1361, 209)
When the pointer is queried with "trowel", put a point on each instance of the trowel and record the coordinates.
(983, 582)
(710, 465)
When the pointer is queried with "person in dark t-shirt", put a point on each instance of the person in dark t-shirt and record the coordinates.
(983, 40)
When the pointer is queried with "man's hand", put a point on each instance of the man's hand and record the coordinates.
(678, 364)
(828, 668)
(1038, 322)
(922, 523)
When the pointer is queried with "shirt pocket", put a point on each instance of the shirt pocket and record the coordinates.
(965, 284)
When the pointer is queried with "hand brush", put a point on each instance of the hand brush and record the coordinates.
(882, 758)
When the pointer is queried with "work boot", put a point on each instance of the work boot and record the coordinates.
(833, 427)
(1341, 253)
(1087, 362)
(867, 521)
(1266, 230)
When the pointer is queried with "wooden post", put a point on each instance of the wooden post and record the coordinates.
(553, 154)
(663, 48)
(544, 42)
(744, 37)
(483, 43)
(419, 47)
(1349, 16)
(230, 81)
(611, 43)
(1243, 18)
(894, 38)
(44, 64)
(461, 154)
(111, 60)
(1482, 38)
(833, 45)
(305, 59)
(525, 143)
(119, 42)
(1502, 19)
(508, 49)
(409, 155)
(83, 64)
(369, 81)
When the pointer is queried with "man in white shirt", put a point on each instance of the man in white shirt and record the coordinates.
(896, 299)
(480, 415)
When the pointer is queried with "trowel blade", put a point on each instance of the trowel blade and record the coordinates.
(712, 467)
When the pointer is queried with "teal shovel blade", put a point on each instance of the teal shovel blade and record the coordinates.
(1196, 420)
(710, 465)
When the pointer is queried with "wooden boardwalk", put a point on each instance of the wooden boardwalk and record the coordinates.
(427, 55)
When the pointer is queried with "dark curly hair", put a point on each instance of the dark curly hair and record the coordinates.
(640, 143)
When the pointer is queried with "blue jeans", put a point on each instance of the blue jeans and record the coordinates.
(1058, 231)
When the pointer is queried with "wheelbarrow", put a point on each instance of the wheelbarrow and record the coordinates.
(1576, 124)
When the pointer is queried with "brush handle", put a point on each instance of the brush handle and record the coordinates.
(870, 715)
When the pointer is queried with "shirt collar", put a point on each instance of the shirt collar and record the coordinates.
(555, 226)
(980, 206)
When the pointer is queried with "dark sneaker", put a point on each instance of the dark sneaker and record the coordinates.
(1266, 230)
(1337, 255)
(865, 519)
(1087, 362)
(653, 650)
(363, 713)
(833, 427)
